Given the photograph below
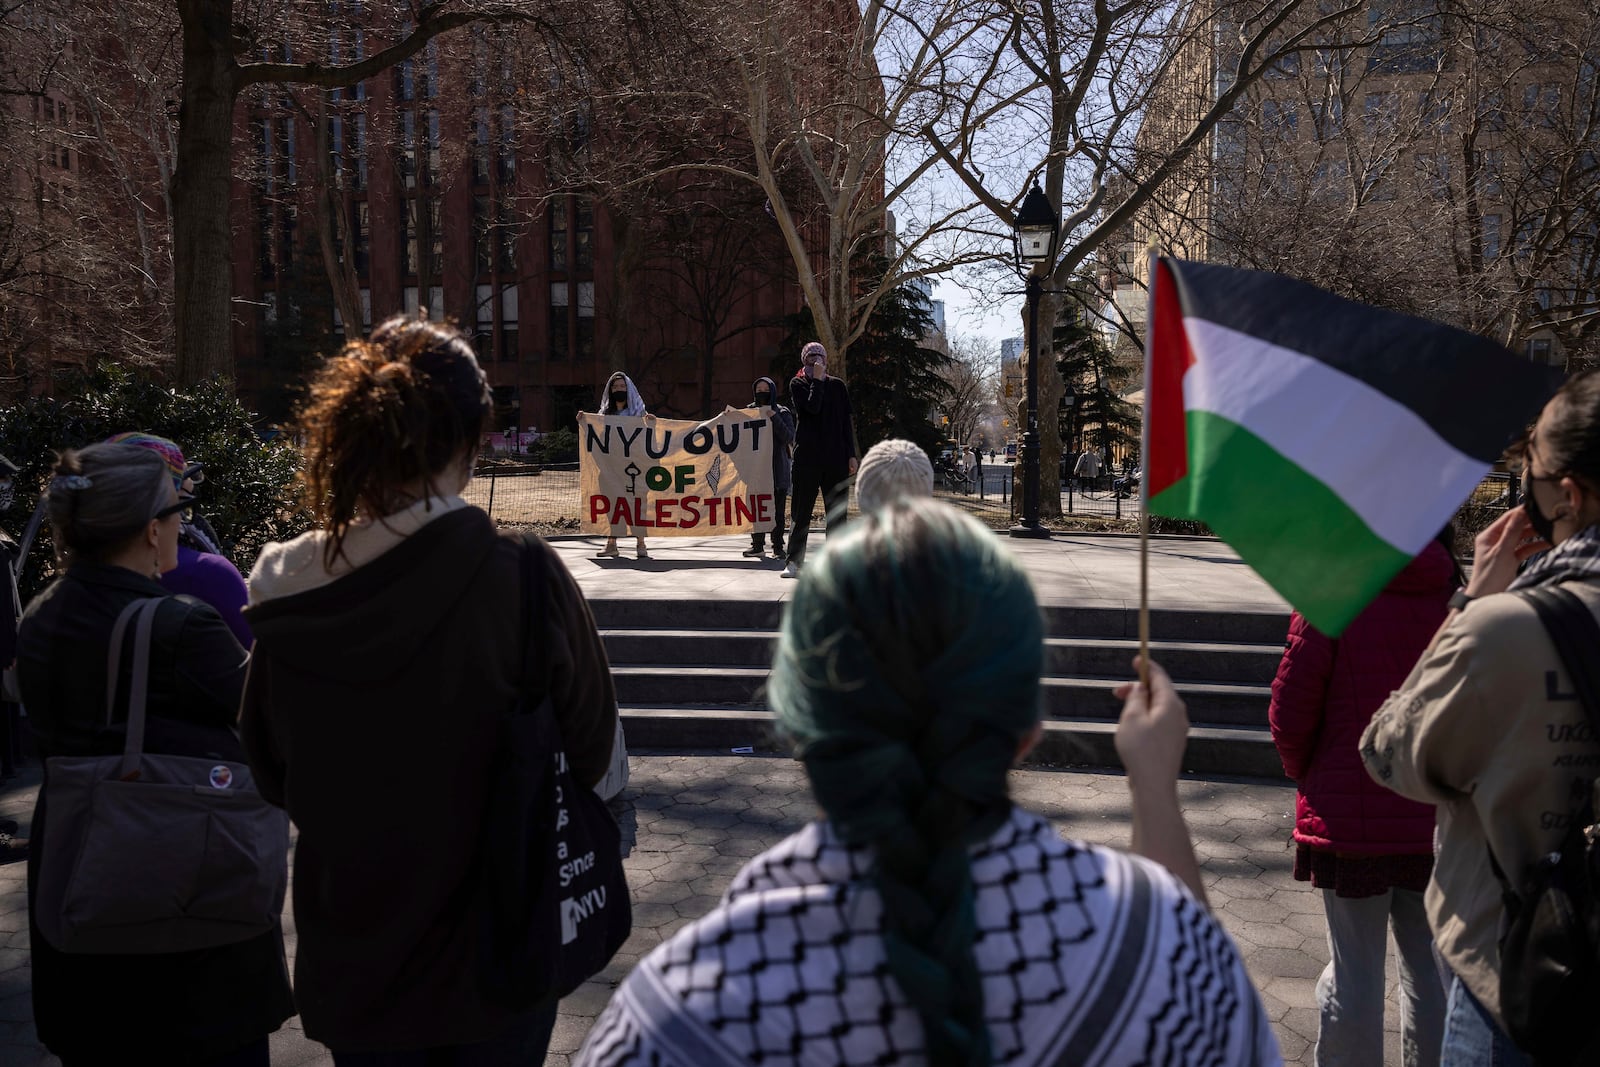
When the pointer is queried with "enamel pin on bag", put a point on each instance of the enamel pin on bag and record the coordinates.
(558, 906)
(149, 853)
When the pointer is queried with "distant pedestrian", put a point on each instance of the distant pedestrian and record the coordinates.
(926, 918)
(893, 469)
(1087, 469)
(390, 641)
(824, 449)
(621, 397)
(1368, 851)
(783, 427)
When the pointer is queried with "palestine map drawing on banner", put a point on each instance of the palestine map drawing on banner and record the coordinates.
(674, 478)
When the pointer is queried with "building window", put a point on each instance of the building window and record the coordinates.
(408, 148)
(1279, 118)
(288, 223)
(264, 243)
(1487, 176)
(1539, 350)
(1491, 237)
(436, 303)
(583, 237)
(586, 320)
(1434, 108)
(361, 233)
(1327, 117)
(483, 317)
(505, 239)
(508, 322)
(433, 147)
(482, 146)
(482, 241)
(560, 337)
(435, 238)
(508, 150)
(358, 148)
(558, 233)
(1433, 174)
(408, 240)
(1380, 114)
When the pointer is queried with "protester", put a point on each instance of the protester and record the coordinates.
(202, 570)
(892, 469)
(824, 449)
(927, 920)
(1485, 727)
(782, 420)
(114, 516)
(621, 397)
(1368, 851)
(389, 642)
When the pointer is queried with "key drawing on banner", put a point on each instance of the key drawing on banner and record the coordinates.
(675, 478)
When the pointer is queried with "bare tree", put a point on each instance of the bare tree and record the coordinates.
(971, 378)
(1448, 169)
(1065, 85)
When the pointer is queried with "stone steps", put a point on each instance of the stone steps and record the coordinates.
(690, 675)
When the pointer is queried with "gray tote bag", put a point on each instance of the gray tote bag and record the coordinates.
(148, 853)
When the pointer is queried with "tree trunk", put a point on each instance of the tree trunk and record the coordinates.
(201, 234)
(333, 232)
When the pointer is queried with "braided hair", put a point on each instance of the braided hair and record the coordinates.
(388, 410)
(908, 704)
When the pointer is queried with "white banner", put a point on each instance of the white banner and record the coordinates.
(676, 479)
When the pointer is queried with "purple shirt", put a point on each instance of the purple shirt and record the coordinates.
(217, 582)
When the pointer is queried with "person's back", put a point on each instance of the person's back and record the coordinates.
(189, 1007)
(386, 652)
(928, 919)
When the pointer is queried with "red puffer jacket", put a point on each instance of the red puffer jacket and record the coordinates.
(1324, 695)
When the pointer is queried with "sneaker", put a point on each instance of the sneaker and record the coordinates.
(755, 550)
(778, 552)
(792, 570)
(642, 554)
(608, 552)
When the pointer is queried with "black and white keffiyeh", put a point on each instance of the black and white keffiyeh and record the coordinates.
(1089, 957)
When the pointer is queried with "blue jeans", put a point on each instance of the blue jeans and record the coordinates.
(1471, 1036)
(524, 1045)
(1350, 993)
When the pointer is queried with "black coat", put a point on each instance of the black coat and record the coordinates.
(171, 1008)
(371, 714)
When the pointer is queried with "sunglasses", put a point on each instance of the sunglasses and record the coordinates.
(183, 504)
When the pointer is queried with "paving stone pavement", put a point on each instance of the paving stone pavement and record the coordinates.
(690, 822)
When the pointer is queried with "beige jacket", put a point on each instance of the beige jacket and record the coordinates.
(1488, 728)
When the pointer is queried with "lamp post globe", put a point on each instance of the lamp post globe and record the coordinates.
(1036, 228)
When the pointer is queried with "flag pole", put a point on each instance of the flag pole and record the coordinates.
(1152, 257)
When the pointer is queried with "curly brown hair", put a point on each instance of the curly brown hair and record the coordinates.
(388, 410)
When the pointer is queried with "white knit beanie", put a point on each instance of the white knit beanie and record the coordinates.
(891, 470)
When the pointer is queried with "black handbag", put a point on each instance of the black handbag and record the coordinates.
(557, 906)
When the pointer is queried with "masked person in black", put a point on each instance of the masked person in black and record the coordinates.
(824, 449)
(782, 419)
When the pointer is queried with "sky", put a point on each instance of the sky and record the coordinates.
(966, 316)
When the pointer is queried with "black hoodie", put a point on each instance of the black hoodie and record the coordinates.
(370, 714)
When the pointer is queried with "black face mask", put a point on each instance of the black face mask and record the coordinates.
(763, 400)
(1543, 525)
(619, 401)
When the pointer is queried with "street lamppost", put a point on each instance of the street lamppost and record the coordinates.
(1036, 226)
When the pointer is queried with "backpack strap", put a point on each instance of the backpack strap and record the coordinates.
(142, 615)
(1576, 634)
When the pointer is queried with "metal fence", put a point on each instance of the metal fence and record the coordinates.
(518, 494)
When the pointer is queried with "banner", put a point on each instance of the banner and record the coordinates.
(666, 478)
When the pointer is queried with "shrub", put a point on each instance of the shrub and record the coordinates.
(559, 446)
(250, 493)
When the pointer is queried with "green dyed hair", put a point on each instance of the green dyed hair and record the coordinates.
(907, 675)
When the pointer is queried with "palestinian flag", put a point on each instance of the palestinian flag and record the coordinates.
(1327, 441)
